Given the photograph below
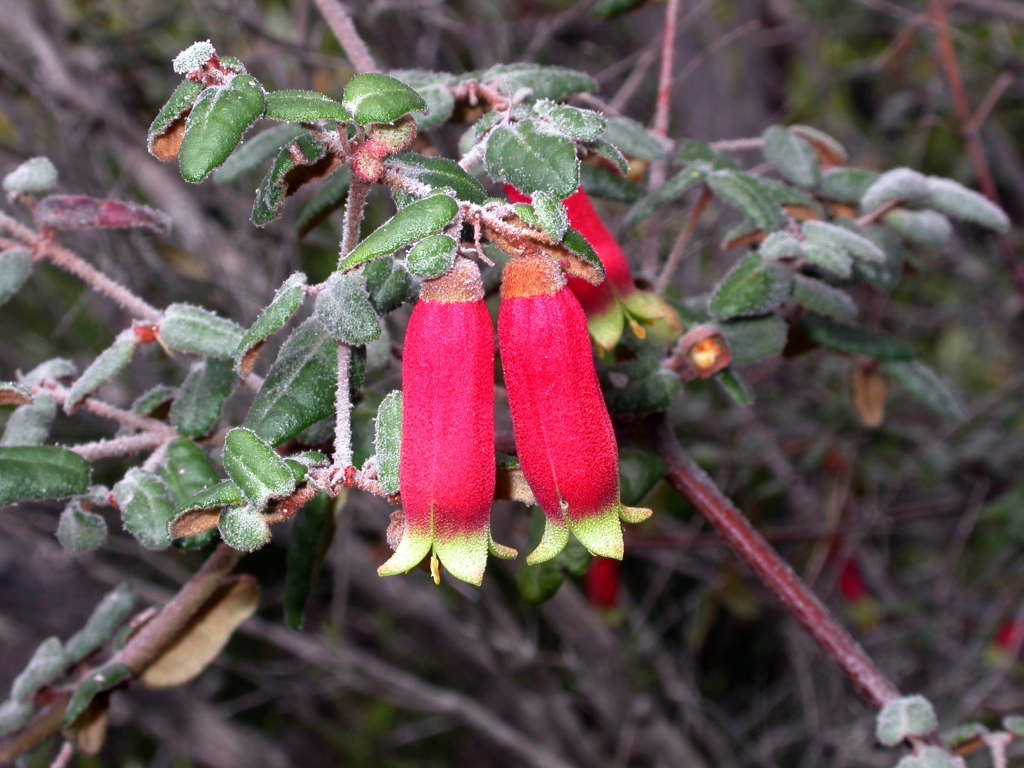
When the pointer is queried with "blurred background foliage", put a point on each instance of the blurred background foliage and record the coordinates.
(911, 532)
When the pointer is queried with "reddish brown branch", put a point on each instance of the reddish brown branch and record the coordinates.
(344, 30)
(797, 598)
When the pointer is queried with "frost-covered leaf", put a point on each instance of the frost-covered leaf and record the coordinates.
(745, 194)
(780, 245)
(532, 158)
(921, 381)
(435, 90)
(303, 161)
(110, 675)
(40, 472)
(69, 212)
(963, 734)
(431, 258)
(929, 757)
(13, 715)
(29, 424)
(853, 340)
(256, 469)
(299, 388)
(193, 58)
(546, 82)
(219, 118)
(12, 393)
(1014, 724)
(608, 185)
(588, 266)
(551, 214)
(387, 283)
(754, 286)
(329, 198)
(304, 107)
(956, 200)
(794, 158)
(197, 331)
(307, 545)
(187, 470)
(197, 407)
(755, 339)
(15, 270)
(343, 308)
(823, 298)
(633, 140)
(80, 530)
(168, 128)
(33, 176)
(377, 98)
(883, 276)
(146, 507)
(153, 399)
(205, 635)
(929, 228)
(56, 368)
(254, 152)
(388, 440)
(846, 185)
(835, 261)
(672, 189)
(827, 149)
(438, 173)
(736, 387)
(580, 124)
(106, 366)
(47, 664)
(244, 528)
(420, 219)
(900, 184)
(611, 154)
(906, 716)
(111, 612)
(827, 235)
(195, 519)
(273, 318)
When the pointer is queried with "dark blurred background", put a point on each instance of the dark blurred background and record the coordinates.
(910, 532)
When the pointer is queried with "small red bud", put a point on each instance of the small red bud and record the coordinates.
(602, 583)
(144, 334)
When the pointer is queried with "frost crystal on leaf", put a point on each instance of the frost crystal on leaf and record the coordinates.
(35, 175)
(194, 57)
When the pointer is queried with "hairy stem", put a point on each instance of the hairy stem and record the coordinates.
(663, 109)
(679, 246)
(344, 30)
(343, 411)
(353, 217)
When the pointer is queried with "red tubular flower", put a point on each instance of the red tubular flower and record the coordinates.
(563, 433)
(617, 300)
(602, 583)
(447, 462)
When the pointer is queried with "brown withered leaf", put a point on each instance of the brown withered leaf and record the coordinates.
(193, 522)
(868, 392)
(13, 394)
(752, 238)
(80, 212)
(166, 146)
(802, 212)
(205, 636)
(90, 730)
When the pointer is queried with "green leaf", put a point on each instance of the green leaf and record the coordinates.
(532, 159)
(387, 440)
(254, 152)
(745, 194)
(377, 98)
(633, 140)
(435, 89)
(29, 424)
(835, 261)
(56, 368)
(44, 472)
(416, 221)
(437, 173)
(827, 235)
(906, 716)
(609, 9)
(110, 675)
(343, 307)
(146, 507)
(580, 124)
(307, 545)
(153, 399)
(304, 107)
(755, 339)
(780, 245)
(187, 470)
(216, 124)
(106, 366)
(608, 185)
(578, 246)
(15, 270)
(929, 228)
(286, 302)
(852, 340)
(223, 494)
(177, 106)
(823, 298)
(79, 530)
(34, 176)
(929, 757)
(701, 153)
(14, 715)
(253, 466)
(611, 153)
(551, 215)
(197, 331)
(639, 472)
(1014, 724)
(297, 164)
(197, 407)
(12, 393)
(47, 664)
(886, 275)
(244, 528)
(538, 583)
(111, 612)
(299, 388)
(387, 283)
(736, 387)
(792, 155)
(846, 185)
(546, 82)
(329, 198)
(638, 388)
(963, 734)
(956, 200)
(900, 184)
(431, 258)
(671, 190)
(928, 387)
(752, 287)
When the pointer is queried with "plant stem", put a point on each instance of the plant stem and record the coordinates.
(679, 246)
(344, 30)
(343, 411)
(120, 446)
(700, 490)
(353, 217)
(663, 109)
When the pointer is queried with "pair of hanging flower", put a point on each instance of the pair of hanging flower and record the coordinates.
(563, 434)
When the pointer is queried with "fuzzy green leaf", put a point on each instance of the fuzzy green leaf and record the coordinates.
(835, 261)
(377, 98)
(827, 235)
(745, 194)
(435, 89)
(79, 530)
(290, 171)
(671, 190)
(219, 118)
(638, 388)
(780, 245)
(431, 258)
(639, 472)
(846, 185)
(578, 246)
(344, 309)
(928, 387)
(387, 440)
(187, 470)
(929, 757)
(551, 214)
(755, 339)
(286, 302)
(106, 366)
(792, 155)
(307, 545)
(254, 152)
(633, 140)
(906, 716)
(608, 185)
(15, 270)
(244, 528)
(29, 424)
(223, 494)
(900, 184)
(419, 219)
(533, 159)
(197, 407)
(823, 298)
(437, 173)
(153, 399)
(580, 124)
(110, 675)
(546, 82)
(34, 176)
(928, 228)
(13, 715)
(956, 200)
(197, 331)
(253, 466)
(111, 612)
(47, 664)
(387, 283)
(146, 507)
(736, 387)
(40, 472)
(752, 287)
(852, 340)
(304, 107)
(56, 368)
